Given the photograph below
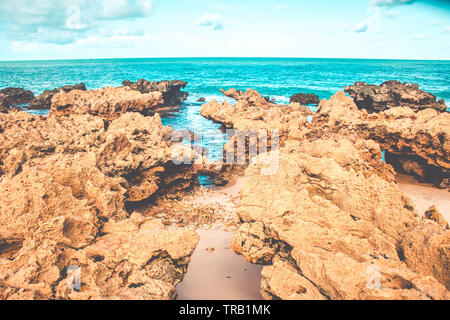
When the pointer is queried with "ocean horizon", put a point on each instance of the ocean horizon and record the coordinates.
(235, 163)
(277, 78)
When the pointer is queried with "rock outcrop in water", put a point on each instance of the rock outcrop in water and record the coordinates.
(108, 103)
(68, 184)
(134, 148)
(171, 90)
(254, 112)
(392, 94)
(44, 100)
(328, 225)
(14, 96)
(330, 222)
(415, 142)
(304, 98)
(258, 124)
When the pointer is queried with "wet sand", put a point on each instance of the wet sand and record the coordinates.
(219, 274)
(425, 195)
(215, 271)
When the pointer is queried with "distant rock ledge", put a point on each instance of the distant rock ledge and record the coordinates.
(392, 94)
(14, 96)
(304, 98)
(44, 100)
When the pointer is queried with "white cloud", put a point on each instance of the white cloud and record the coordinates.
(65, 21)
(281, 6)
(391, 13)
(390, 3)
(419, 37)
(374, 10)
(210, 21)
(372, 22)
(447, 29)
(114, 41)
(363, 26)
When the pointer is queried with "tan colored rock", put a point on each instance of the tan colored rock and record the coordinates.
(415, 142)
(145, 263)
(33, 198)
(108, 103)
(136, 150)
(433, 214)
(140, 150)
(24, 137)
(253, 112)
(338, 227)
(257, 122)
(171, 90)
(281, 280)
(64, 185)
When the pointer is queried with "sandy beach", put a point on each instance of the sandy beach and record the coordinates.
(217, 273)
(425, 195)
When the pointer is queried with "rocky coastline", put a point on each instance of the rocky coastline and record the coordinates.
(69, 185)
(102, 185)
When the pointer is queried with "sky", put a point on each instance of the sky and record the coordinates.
(89, 29)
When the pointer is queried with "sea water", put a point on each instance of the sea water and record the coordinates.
(278, 78)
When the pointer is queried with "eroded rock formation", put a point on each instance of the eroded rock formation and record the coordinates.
(304, 98)
(329, 225)
(254, 112)
(392, 94)
(14, 96)
(108, 103)
(44, 100)
(415, 142)
(67, 187)
(258, 124)
(171, 90)
(329, 222)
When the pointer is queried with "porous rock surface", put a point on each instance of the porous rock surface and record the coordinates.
(392, 94)
(305, 98)
(44, 100)
(328, 226)
(330, 222)
(13, 96)
(108, 103)
(171, 90)
(254, 112)
(67, 189)
(415, 142)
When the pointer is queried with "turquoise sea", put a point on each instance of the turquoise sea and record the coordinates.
(278, 78)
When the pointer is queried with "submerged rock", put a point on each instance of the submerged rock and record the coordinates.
(329, 225)
(392, 94)
(108, 103)
(304, 98)
(14, 96)
(171, 90)
(44, 100)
